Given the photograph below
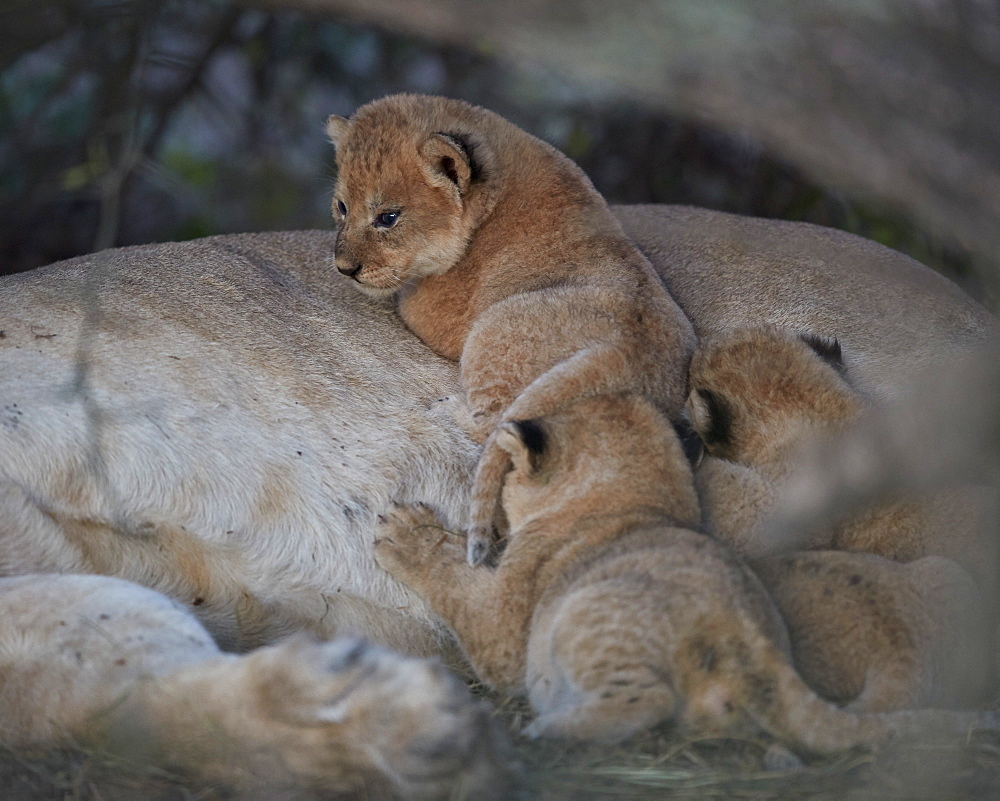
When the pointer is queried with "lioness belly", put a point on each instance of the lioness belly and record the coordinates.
(224, 419)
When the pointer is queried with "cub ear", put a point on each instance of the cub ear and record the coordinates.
(710, 417)
(828, 349)
(337, 128)
(526, 442)
(448, 157)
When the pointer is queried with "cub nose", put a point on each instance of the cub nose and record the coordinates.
(350, 271)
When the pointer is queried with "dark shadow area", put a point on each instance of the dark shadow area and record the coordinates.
(131, 121)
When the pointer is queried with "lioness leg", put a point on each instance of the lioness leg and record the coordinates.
(98, 660)
(327, 717)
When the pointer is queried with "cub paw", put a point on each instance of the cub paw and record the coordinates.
(479, 541)
(409, 539)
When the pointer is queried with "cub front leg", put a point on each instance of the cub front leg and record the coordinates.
(487, 486)
(488, 615)
(414, 546)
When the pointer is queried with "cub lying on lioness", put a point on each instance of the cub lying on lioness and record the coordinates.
(608, 607)
(876, 635)
(506, 258)
(756, 395)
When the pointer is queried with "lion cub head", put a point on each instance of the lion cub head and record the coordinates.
(594, 455)
(757, 390)
(755, 395)
(407, 192)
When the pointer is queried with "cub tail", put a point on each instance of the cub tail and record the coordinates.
(783, 705)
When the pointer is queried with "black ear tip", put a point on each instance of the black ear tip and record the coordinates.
(719, 429)
(694, 448)
(532, 435)
(828, 349)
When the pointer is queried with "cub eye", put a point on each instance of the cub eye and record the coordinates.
(341, 207)
(386, 219)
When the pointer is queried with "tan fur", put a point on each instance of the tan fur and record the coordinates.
(879, 636)
(96, 661)
(507, 259)
(608, 608)
(900, 636)
(942, 431)
(756, 396)
(222, 420)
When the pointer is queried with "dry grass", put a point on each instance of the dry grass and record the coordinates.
(658, 765)
(662, 764)
(91, 776)
(663, 767)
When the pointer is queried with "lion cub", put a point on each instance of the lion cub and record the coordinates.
(876, 635)
(503, 256)
(608, 607)
(756, 396)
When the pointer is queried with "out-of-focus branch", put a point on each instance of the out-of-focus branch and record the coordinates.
(135, 148)
(28, 24)
(895, 100)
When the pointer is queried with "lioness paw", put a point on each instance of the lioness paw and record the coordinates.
(409, 539)
(424, 735)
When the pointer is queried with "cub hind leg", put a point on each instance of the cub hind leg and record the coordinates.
(591, 674)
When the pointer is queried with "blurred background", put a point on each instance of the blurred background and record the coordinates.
(131, 121)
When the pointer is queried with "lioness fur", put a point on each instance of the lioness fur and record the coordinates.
(892, 316)
(756, 396)
(200, 418)
(221, 421)
(98, 661)
(608, 607)
(506, 258)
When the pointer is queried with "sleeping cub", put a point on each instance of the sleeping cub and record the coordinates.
(876, 635)
(502, 255)
(756, 396)
(608, 607)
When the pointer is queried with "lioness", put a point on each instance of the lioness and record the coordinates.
(98, 661)
(222, 420)
(607, 606)
(892, 316)
(504, 257)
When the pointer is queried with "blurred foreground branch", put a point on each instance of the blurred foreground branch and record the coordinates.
(896, 100)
